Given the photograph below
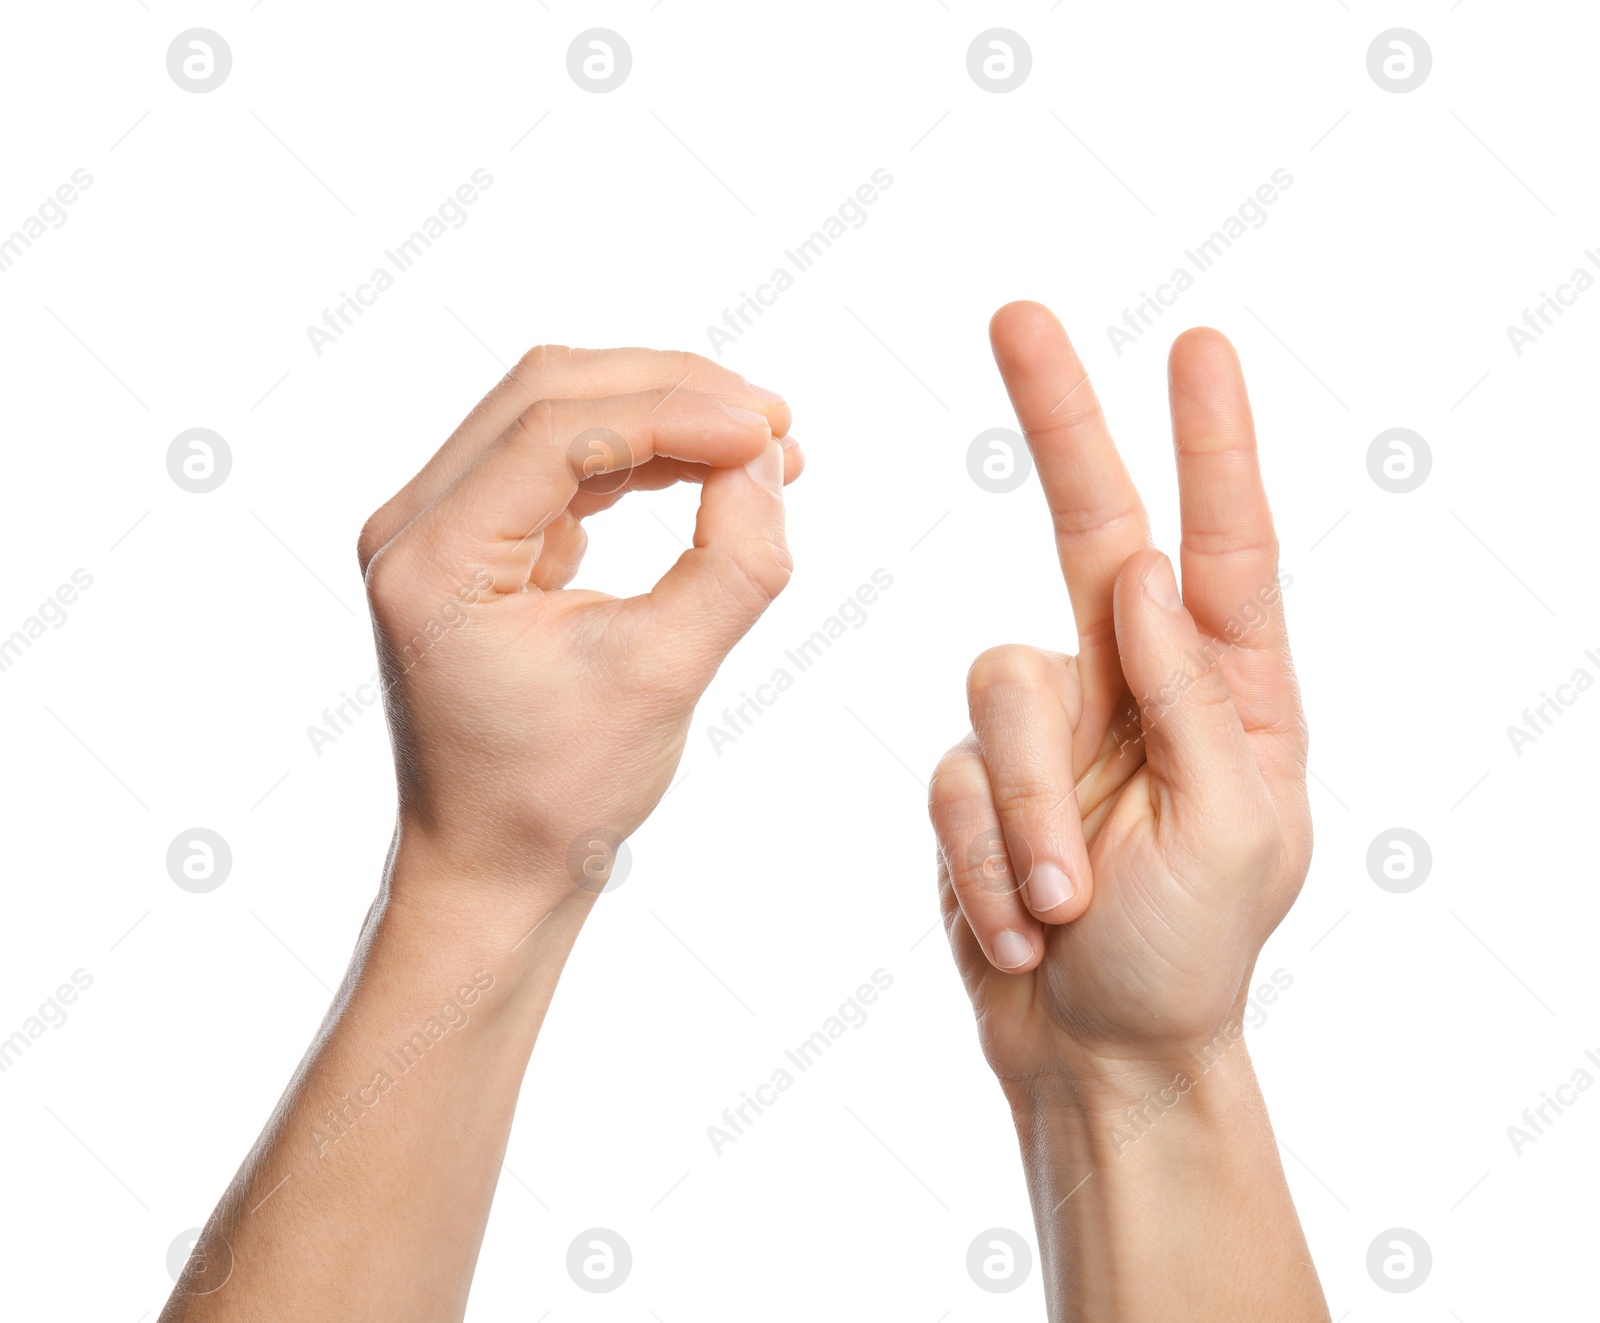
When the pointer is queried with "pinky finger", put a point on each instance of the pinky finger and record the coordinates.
(983, 875)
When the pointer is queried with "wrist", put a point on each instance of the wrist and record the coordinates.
(1114, 1095)
(445, 903)
(1178, 1143)
(476, 869)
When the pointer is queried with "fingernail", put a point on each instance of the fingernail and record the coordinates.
(1161, 586)
(749, 417)
(1048, 886)
(770, 396)
(788, 442)
(1011, 949)
(767, 467)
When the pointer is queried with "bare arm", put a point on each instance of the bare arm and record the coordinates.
(535, 727)
(1119, 833)
(1158, 1193)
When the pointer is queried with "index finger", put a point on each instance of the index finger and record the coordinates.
(555, 372)
(1099, 521)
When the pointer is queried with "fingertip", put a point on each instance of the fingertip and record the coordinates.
(794, 459)
(1161, 584)
(1206, 389)
(1018, 326)
(776, 409)
(767, 469)
(1022, 314)
(757, 423)
(1146, 594)
(1202, 342)
(1062, 915)
(1013, 952)
(1136, 569)
(1054, 896)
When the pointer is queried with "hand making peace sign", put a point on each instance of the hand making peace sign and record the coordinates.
(1123, 828)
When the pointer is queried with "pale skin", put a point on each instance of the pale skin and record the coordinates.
(533, 725)
(1119, 834)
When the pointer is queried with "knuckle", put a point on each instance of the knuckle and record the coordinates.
(709, 374)
(670, 400)
(1210, 687)
(1093, 520)
(1022, 794)
(1188, 688)
(1078, 413)
(1085, 412)
(757, 570)
(692, 371)
(957, 778)
(541, 359)
(981, 865)
(388, 580)
(374, 533)
(1225, 544)
(534, 428)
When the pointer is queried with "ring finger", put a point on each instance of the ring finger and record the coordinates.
(961, 804)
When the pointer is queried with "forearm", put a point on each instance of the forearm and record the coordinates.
(1158, 1193)
(368, 1191)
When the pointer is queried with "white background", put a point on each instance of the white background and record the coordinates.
(783, 871)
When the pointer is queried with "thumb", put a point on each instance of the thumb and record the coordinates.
(1195, 744)
(739, 563)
